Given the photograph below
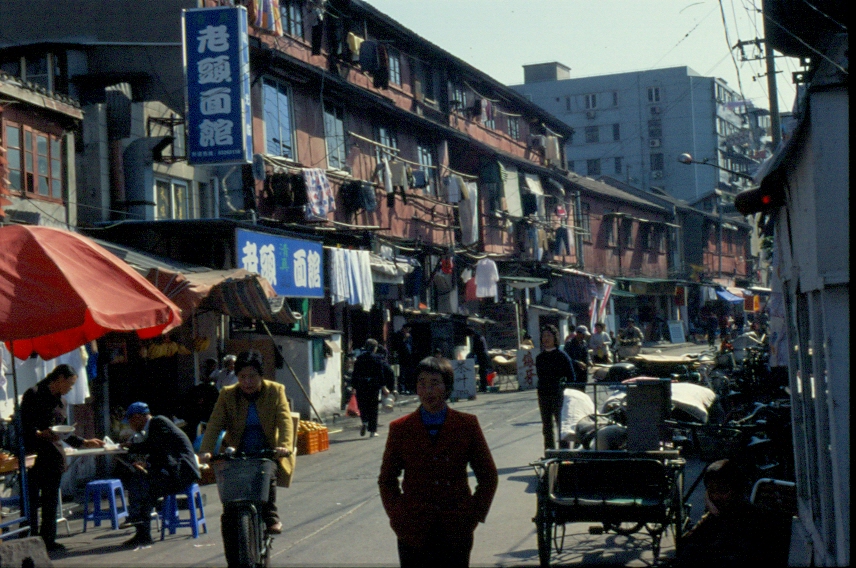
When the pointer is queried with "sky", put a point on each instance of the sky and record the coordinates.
(600, 37)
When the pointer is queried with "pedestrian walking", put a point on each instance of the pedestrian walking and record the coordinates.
(599, 344)
(372, 375)
(554, 368)
(480, 353)
(578, 350)
(432, 510)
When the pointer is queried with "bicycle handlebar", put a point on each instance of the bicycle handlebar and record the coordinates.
(226, 456)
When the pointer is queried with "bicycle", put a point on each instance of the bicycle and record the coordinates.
(243, 482)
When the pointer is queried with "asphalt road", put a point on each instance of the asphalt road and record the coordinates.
(332, 513)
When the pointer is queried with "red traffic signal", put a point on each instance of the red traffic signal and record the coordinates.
(761, 199)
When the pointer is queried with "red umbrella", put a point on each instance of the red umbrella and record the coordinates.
(60, 290)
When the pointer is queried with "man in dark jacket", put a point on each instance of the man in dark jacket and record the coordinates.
(402, 346)
(480, 353)
(577, 350)
(554, 369)
(371, 375)
(163, 462)
(42, 407)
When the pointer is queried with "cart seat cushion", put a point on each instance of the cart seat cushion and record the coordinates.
(616, 483)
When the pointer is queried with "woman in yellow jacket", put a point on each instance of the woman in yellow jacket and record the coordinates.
(256, 416)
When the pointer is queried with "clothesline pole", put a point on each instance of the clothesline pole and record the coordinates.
(463, 175)
(370, 141)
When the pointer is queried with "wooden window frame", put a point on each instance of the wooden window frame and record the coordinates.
(335, 142)
(282, 87)
(30, 162)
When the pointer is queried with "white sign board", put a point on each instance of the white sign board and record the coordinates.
(527, 376)
(676, 331)
(465, 379)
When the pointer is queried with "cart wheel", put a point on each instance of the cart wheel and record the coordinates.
(624, 529)
(655, 546)
(544, 528)
(680, 516)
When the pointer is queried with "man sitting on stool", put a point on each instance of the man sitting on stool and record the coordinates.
(164, 464)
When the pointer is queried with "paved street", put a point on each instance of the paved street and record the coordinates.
(333, 515)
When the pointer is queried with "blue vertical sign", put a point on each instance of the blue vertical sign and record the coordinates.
(217, 74)
(294, 267)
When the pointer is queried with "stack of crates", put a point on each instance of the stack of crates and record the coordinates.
(311, 438)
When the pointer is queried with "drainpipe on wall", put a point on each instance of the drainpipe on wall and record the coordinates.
(138, 158)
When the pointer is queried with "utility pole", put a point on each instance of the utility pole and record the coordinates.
(775, 127)
(769, 59)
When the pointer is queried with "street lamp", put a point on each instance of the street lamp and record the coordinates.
(687, 158)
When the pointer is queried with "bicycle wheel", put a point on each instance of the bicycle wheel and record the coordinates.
(240, 541)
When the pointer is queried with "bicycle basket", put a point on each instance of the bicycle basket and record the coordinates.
(243, 479)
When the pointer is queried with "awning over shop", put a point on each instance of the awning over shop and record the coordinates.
(650, 286)
(522, 282)
(740, 292)
(234, 292)
(424, 315)
(616, 293)
(248, 298)
(729, 297)
(549, 310)
(760, 290)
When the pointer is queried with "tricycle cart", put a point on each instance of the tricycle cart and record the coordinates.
(624, 491)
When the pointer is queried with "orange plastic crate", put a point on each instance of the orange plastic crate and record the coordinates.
(312, 442)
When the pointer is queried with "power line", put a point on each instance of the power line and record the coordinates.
(825, 15)
(730, 49)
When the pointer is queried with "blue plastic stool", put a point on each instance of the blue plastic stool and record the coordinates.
(169, 513)
(98, 490)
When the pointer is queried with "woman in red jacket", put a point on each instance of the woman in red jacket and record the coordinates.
(432, 510)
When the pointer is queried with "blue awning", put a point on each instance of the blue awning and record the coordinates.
(729, 297)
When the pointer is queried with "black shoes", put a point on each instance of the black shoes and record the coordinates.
(138, 540)
(363, 429)
(55, 547)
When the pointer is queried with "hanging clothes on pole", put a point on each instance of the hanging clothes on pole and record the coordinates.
(468, 215)
(319, 193)
(487, 276)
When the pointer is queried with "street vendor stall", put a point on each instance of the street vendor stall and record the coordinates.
(60, 290)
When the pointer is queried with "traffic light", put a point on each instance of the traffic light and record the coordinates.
(761, 199)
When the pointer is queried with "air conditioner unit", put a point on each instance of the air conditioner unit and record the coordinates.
(590, 114)
(654, 142)
(655, 110)
(537, 141)
(657, 174)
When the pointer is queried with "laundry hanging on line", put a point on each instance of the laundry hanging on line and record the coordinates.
(319, 193)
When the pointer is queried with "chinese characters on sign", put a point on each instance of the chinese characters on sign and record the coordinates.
(527, 376)
(216, 68)
(465, 379)
(293, 267)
